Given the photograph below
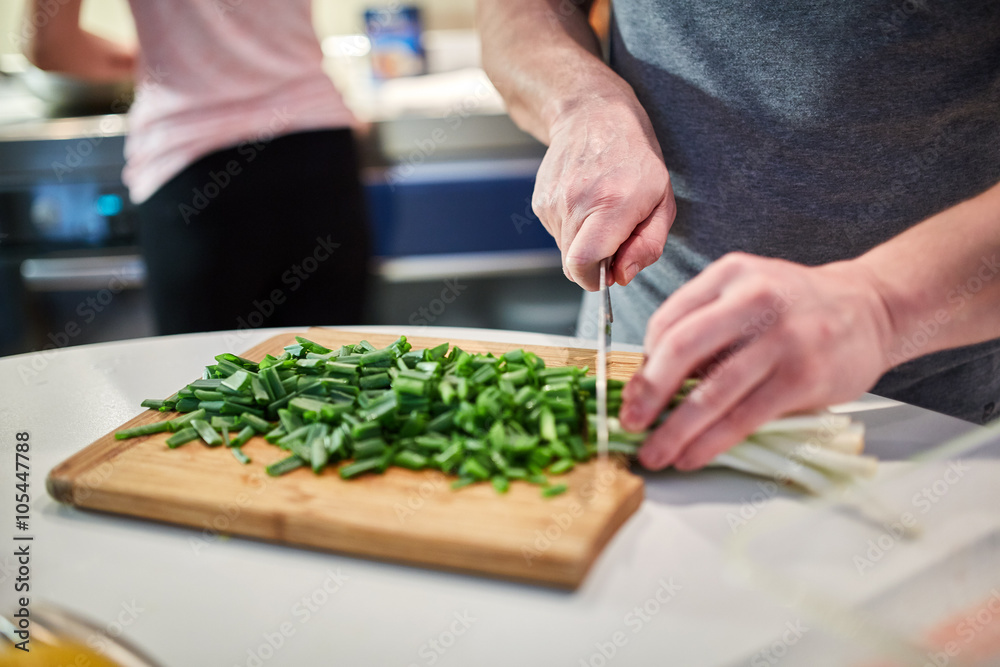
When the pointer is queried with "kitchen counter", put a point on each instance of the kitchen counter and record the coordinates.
(716, 568)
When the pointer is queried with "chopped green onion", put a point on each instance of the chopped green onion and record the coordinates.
(358, 468)
(500, 483)
(256, 423)
(410, 459)
(183, 436)
(207, 433)
(477, 416)
(145, 429)
(554, 490)
(284, 465)
(240, 456)
(561, 466)
(243, 437)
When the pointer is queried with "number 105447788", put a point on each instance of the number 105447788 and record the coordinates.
(22, 471)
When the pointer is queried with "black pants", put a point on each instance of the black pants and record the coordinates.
(262, 234)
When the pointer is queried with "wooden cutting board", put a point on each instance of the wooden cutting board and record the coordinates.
(407, 516)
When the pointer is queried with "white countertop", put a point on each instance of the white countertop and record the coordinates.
(189, 599)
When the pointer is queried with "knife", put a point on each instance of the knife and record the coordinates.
(604, 320)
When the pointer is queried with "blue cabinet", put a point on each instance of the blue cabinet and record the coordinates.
(455, 207)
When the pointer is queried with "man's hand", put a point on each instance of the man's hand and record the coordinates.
(603, 191)
(768, 337)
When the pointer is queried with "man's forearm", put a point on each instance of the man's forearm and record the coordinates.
(940, 280)
(544, 59)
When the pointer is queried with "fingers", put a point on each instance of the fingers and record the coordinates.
(770, 400)
(645, 245)
(677, 354)
(585, 230)
(703, 289)
(598, 237)
(727, 384)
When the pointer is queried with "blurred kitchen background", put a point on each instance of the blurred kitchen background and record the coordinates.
(447, 174)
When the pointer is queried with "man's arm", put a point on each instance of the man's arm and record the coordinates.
(602, 189)
(54, 41)
(941, 279)
(772, 337)
(543, 57)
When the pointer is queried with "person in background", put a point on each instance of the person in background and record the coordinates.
(828, 178)
(239, 156)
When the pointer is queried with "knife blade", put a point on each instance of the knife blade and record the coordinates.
(604, 319)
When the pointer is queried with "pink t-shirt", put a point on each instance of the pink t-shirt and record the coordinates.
(215, 74)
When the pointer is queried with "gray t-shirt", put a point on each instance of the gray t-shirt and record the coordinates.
(813, 132)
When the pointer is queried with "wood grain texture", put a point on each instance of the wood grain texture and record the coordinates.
(406, 516)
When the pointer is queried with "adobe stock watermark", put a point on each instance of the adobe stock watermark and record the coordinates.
(425, 148)
(107, 126)
(42, 12)
(750, 332)
(750, 506)
(92, 481)
(923, 501)
(635, 621)
(433, 649)
(301, 613)
(228, 514)
(559, 522)
(385, 14)
(248, 150)
(434, 483)
(958, 298)
(115, 628)
(911, 171)
(525, 219)
(292, 280)
(974, 634)
(425, 315)
(77, 152)
(778, 649)
(891, 24)
(87, 310)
